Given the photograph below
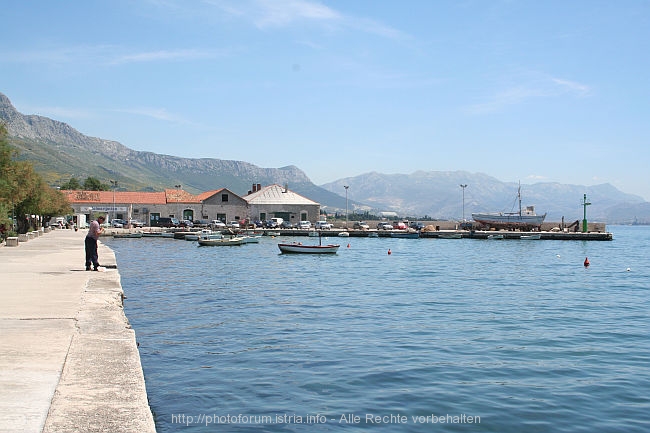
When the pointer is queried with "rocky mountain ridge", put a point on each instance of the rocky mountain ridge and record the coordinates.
(59, 152)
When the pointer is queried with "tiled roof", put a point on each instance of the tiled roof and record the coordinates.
(206, 195)
(180, 196)
(120, 197)
(276, 194)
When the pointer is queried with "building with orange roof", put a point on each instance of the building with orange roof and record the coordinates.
(148, 207)
(220, 204)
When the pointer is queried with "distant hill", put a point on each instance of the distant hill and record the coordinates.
(59, 152)
(438, 194)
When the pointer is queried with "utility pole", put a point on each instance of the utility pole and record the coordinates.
(114, 183)
(463, 185)
(346, 205)
(585, 203)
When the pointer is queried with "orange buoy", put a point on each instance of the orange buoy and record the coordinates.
(586, 263)
(389, 253)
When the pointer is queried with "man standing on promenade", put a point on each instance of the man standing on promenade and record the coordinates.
(91, 243)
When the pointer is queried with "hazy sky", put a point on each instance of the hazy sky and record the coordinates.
(537, 91)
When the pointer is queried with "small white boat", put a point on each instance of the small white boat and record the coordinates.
(308, 249)
(312, 233)
(495, 237)
(203, 234)
(221, 242)
(344, 234)
(252, 239)
(531, 237)
(273, 233)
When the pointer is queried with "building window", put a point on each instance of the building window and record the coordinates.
(224, 197)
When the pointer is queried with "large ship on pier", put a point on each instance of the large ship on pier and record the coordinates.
(524, 219)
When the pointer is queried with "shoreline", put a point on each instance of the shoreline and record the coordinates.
(68, 357)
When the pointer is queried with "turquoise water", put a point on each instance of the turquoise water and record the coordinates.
(441, 335)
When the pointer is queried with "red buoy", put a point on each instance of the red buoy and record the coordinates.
(389, 253)
(586, 263)
(348, 245)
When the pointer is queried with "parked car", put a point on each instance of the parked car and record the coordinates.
(416, 225)
(384, 226)
(117, 223)
(233, 224)
(398, 225)
(322, 225)
(270, 224)
(137, 223)
(167, 222)
(286, 225)
(361, 225)
(304, 225)
(186, 223)
(217, 224)
(258, 224)
(201, 223)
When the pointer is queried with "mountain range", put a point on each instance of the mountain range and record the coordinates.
(59, 152)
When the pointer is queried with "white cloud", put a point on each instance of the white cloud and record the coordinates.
(165, 55)
(531, 86)
(154, 113)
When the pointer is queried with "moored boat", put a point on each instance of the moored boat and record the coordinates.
(308, 249)
(532, 237)
(405, 235)
(526, 218)
(221, 242)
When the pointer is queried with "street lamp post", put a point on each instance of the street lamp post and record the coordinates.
(463, 186)
(346, 205)
(114, 183)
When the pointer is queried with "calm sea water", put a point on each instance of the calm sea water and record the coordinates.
(441, 335)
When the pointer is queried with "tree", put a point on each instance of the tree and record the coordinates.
(24, 192)
(93, 184)
(72, 184)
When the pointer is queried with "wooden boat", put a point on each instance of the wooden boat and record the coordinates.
(308, 249)
(405, 235)
(127, 235)
(523, 219)
(221, 242)
(531, 237)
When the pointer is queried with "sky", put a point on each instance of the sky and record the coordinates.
(530, 91)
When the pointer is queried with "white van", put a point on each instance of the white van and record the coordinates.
(278, 221)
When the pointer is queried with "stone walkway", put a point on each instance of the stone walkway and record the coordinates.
(68, 357)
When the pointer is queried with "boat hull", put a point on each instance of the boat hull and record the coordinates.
(308, 249)
(220, 242)
(508, 220)
(413, 235)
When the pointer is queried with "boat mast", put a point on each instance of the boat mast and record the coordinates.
(519, 195)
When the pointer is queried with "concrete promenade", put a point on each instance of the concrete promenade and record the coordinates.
(68, 357)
